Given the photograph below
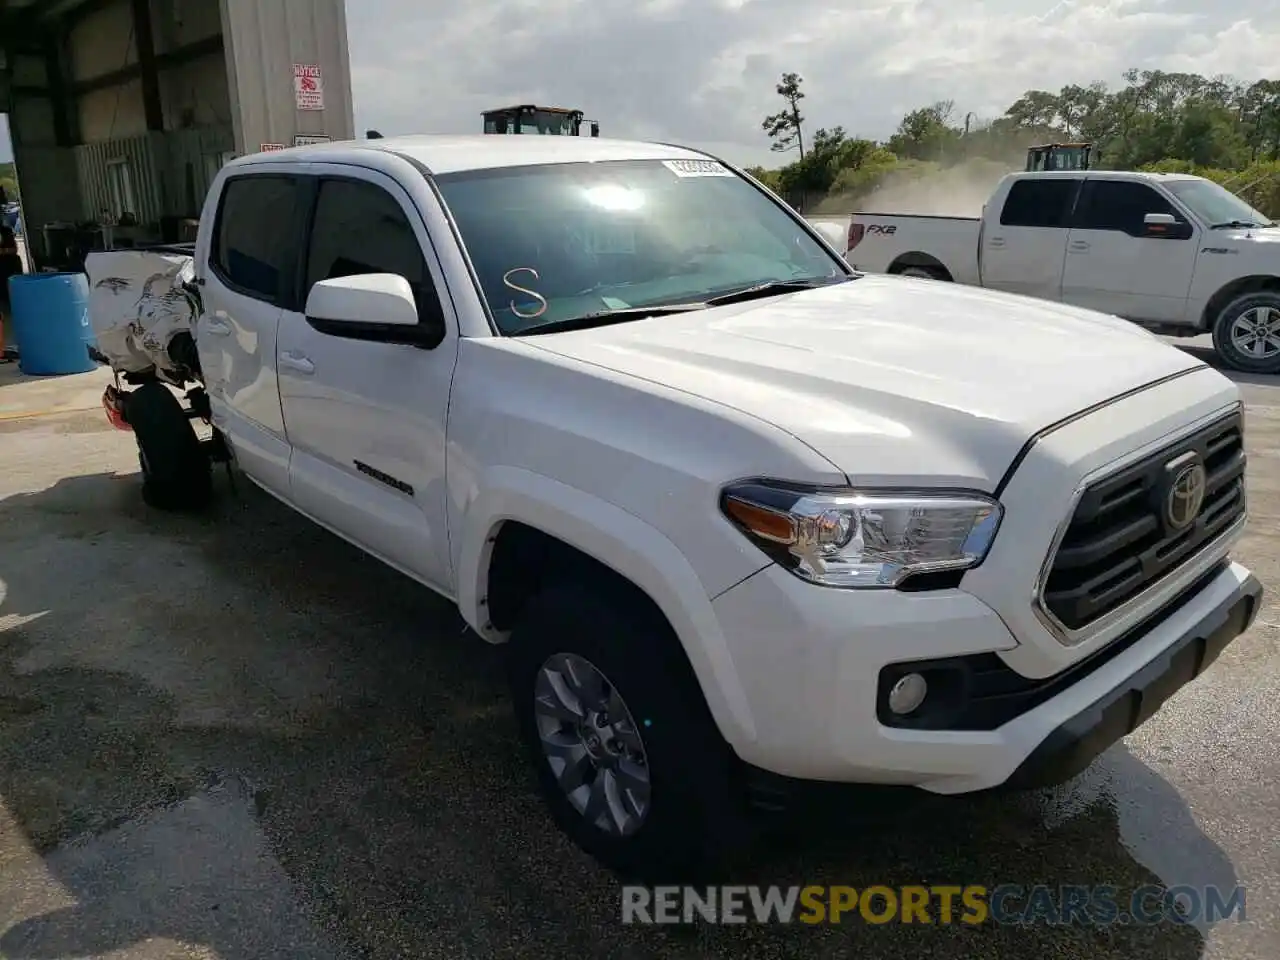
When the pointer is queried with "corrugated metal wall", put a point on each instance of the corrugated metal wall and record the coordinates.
(158, 165)
(264, 39)
(188, 161)
(92, 162)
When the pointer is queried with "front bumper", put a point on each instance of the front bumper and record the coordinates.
(1076, 742)
(813, 700)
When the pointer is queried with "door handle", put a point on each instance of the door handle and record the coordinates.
(297, 363)
(1079, 245)
(996, 242)
(217, 328)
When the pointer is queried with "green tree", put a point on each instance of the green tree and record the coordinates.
(9, 180)
(926, 133)
(1213, 126)
(784, 127)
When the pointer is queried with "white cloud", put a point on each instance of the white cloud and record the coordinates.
(703, 71)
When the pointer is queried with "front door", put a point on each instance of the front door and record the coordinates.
(246, 266)
(1022, 249)
(1117, 265)
(366, 418)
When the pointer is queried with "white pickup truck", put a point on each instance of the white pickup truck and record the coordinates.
(742, 517)
(1179, 255)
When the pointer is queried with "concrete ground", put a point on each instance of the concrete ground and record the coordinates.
(238, 738)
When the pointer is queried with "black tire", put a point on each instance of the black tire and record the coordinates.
(921, 271)
(696, 818)
(1224, 343)
(176, 473)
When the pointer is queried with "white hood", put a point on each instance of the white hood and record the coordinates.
(890, 377)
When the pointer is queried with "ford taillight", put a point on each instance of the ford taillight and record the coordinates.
(856, 230)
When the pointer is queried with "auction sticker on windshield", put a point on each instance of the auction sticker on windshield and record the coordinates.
(697, 168)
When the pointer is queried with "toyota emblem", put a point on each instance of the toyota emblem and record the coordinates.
(1185, 497)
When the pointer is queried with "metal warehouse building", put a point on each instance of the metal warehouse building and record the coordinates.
(122, 111)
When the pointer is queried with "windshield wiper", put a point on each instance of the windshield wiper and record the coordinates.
(773, 288)
(1241, 225)
(602, 318)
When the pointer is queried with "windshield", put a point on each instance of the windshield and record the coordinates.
(1215, 204)
(551, 243)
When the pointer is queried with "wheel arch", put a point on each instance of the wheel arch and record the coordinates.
(918, 258)
(521, 521)
(1255, 283)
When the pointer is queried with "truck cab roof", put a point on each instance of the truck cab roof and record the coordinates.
(455, 153)
(1140, 175)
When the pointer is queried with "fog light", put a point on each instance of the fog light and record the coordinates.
(908, 693)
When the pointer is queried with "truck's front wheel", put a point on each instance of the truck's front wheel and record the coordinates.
(1246, 334)
(626, 754)
(176, 473)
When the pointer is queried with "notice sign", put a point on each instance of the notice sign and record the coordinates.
(303, 139)
(268, 147)
(308, 88)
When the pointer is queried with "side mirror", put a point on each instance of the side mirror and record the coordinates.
(833, 233)
(370, 299)
(1165, 226)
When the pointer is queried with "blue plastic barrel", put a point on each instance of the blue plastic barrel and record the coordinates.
(49, 317)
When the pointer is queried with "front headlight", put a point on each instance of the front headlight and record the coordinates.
(851, 538)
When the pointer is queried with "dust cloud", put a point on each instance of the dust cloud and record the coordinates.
(954, 192)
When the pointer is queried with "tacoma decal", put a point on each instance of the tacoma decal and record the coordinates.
(381, 477)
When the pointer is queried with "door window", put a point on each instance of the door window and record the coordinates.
(359, 228)
(255, 235)
(1039, 203)
(1118, 205)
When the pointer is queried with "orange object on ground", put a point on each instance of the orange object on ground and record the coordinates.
(113, 404)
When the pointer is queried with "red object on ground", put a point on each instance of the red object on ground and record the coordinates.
(113, 404)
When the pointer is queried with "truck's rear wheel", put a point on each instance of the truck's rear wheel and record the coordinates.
(176, 473)
(924, 273)
(627, 756)
(1246, 334)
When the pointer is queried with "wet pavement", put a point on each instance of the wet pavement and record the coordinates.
(236, 737)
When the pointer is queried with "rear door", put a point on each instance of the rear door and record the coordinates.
(1024, 245)
(1116, 264)
(366, 416)
(246, 267)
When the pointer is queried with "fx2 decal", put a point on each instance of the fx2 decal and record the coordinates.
(888, 229)
(1218, 250)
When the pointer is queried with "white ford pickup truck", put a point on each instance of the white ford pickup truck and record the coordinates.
(742, 517)
(1179, 255)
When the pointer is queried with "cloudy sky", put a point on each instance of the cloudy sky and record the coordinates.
(703, 71)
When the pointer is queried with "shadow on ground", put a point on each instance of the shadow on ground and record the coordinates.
(1206, 354)
(239, 733)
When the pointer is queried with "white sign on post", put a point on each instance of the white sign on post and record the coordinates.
(308, 87)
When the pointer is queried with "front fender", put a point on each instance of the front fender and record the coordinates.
(625, 544)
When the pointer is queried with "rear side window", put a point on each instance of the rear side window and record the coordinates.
(1039, 203)
(255, 238)
(1118, 205)
(360, 228)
